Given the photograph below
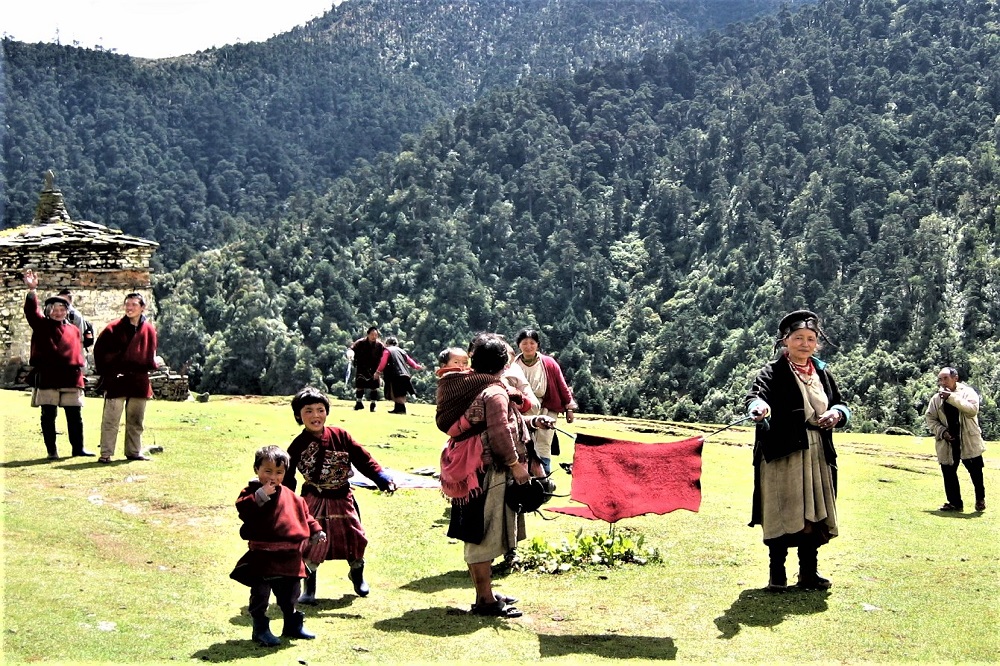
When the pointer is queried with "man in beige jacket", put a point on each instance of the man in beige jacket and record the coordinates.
(953, 416)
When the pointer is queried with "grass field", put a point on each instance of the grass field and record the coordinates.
(129, 562)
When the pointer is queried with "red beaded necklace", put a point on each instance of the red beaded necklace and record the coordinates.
(806, 368)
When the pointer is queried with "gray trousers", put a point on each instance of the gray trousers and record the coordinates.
(135, 412)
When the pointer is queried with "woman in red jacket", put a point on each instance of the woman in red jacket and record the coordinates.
(57, 367)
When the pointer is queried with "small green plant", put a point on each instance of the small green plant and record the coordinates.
(595, 550)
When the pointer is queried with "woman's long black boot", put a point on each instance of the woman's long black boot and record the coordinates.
(49, 430)
(778, 580)
(809, 578)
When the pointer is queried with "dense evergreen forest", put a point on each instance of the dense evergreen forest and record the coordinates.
(654, 217)
(189, 151)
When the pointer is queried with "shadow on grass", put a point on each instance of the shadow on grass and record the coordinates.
(27, 463)
(439, 622)
(446, 581)
(326, 607)
(233, 650)
(92, 463)
(609, 646)
(760, 608)
(961, 515)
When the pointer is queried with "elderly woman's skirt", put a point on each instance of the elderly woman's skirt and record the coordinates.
(504, 527)
(797, 496)
(60, 397)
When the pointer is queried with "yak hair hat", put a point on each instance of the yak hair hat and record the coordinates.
(56, 299)
(793, 321)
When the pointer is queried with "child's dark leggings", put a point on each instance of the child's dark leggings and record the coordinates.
(286, 594)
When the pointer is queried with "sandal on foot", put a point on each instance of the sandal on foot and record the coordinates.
(104, 460)
(504, 599)
(499, 609)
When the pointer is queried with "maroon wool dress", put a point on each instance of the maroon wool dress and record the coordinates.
(325, 464)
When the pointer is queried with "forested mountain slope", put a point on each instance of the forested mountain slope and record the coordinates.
(655, 219)
(189, 151)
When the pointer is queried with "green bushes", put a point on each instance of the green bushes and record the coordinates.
(579, 551)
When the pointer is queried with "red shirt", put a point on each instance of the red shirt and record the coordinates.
(56, 350)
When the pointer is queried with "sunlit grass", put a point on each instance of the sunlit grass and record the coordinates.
(129, 562)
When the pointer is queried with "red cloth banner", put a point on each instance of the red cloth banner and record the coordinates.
(620, 479)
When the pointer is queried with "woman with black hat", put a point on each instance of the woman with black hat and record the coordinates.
(796, 404)
(57, 367)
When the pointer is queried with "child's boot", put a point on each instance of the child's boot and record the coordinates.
(262, 632)
(371, 408)
(357, 576)
(309, 596)
(358, 405)
(293, 626)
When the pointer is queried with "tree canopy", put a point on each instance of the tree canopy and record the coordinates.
(655, 217)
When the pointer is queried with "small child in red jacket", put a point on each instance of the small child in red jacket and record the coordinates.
(276, 523)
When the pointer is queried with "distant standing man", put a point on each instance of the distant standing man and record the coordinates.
(124, 354)
(367, 355)
(953, 417)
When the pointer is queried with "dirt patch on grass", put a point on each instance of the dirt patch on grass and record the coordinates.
(116, 549)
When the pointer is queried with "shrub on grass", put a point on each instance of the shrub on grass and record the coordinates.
(581, 551)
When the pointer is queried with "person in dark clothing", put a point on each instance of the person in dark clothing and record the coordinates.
(57, 367)
(366, 353)
(395, 366)
(796, 404)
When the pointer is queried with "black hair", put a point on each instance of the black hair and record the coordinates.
(444, 357)
(391, 341)
(273, 454)
(477, 340)
(373, 328)
(490, 355)
(305, 397)
(137, 296)
(526, 333)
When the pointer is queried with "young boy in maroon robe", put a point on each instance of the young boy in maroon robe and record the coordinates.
(276, 523)
(325, 455)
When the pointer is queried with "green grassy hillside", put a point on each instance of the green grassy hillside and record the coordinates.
(129, 562)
